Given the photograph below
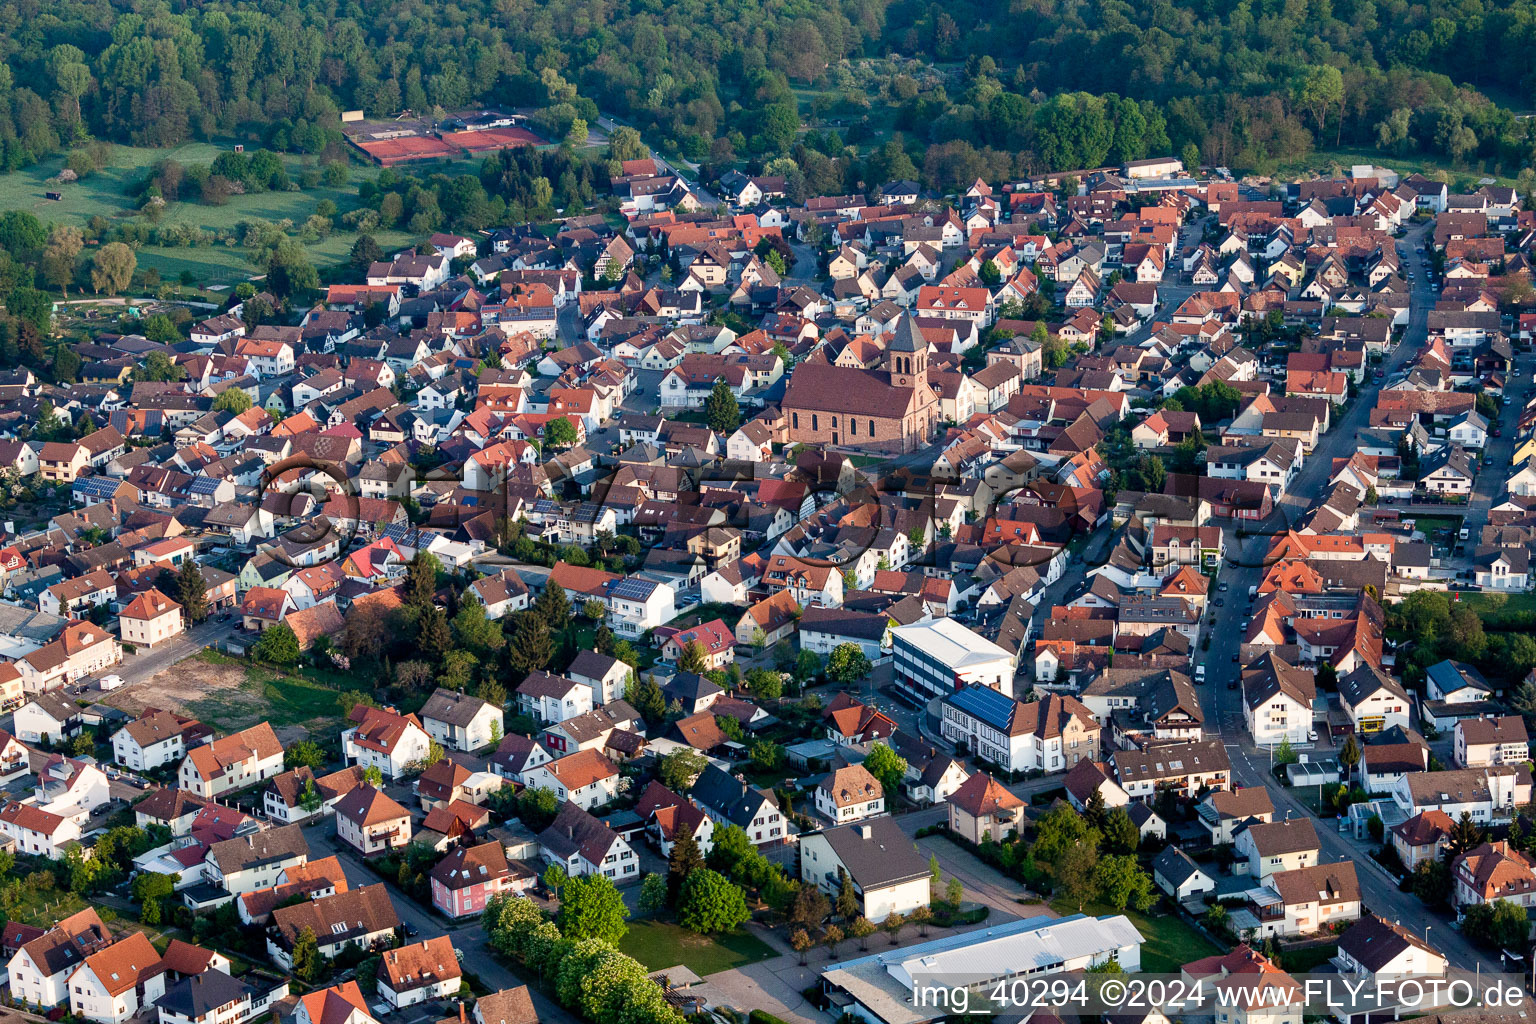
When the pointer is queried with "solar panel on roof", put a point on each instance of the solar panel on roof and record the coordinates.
(985, 703)
(631, 589)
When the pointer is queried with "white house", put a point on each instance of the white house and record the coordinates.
(1277, 701)
(888, 874)
(421, 971)
(155, 738)
(39, 971)
(115, 983)
(461, 722)
(583, 845)
(585, 778)
(385, 739)
(232, 762)
(849, 794)
(1373, 700)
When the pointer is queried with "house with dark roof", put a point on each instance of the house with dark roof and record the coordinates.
(362, 916)
(888, 874)
(1179, 876)
(194, 999)
(459, 721)
(728, 800)
(583, 845)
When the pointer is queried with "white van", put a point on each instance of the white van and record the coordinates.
(111, 682)
(1199, 673)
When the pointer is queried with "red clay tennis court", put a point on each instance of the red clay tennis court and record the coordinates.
(388, 152)
(492, 139)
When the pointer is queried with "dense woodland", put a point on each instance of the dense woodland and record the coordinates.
(1007, 87)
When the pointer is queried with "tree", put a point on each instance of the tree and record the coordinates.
(892, 925)
(554, 878)
(307, 964)
(721, 410)
(831, 937)
(888, 768)
(800, 942)
(1349, 756)
(365, 251)
(554, 607)
(112, 268)
(152, 889)
(1061, 829)
(921, 916)
(192, 591)
(421, 579)
(309, 798)
(809, 909)
(684, 859)
(22, 235)
(530, 648)
(592, 908)
(304, 753)
(1432, 882)
(1120, 833)
(277, 645)
(474, 632)
(1465, 835)
(1075, 870)
(235, 400)
(1121, 882)
(710, 903)
(954, 893)
(935, 876)
(594, 609)
(1502, 924)
(679, 769)
(847, 902)
(1285, 753)
(848, 664)
(807, 666)
(653, 893)
(58, 261)
(560, 432)
(693, 658)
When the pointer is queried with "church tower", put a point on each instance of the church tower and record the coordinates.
(906, 355)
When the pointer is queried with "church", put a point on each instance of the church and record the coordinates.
(890, 409)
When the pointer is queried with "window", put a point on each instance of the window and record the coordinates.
(871, 428)
(796, 418)
(814, 425)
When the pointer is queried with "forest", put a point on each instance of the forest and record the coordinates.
(1013, 88)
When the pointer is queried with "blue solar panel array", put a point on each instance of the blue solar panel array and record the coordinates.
(631, 589)
(985, 703)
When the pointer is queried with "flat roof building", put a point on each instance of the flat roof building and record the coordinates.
(933, 659)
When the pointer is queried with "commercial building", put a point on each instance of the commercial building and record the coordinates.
(933, 659)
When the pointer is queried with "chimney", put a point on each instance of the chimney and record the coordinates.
(866, 832)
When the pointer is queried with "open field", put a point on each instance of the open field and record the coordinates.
(658, 945)
(229, 695)
(1414, 163)
(107, 194)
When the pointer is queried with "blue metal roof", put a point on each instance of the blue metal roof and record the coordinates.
(985, 703)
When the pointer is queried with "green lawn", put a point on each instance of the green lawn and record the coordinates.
(45, 909)
(283, 700)
(1490, 603)
(658, 945)
(106, 193)
(1170, 941)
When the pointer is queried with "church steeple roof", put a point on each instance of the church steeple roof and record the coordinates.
(908, 336)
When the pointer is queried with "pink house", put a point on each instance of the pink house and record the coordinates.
(718, 641)
(468, 877)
